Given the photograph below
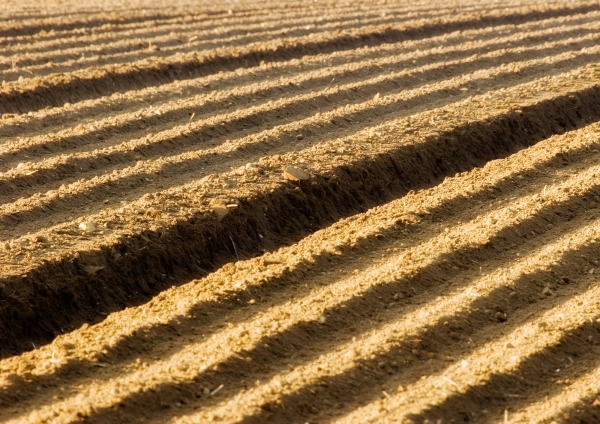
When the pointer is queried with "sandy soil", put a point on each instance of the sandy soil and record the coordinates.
(299, 211)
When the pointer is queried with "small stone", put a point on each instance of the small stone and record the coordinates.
(501, 317)
(322, 319)
(88, 226)
(596, 402)
(21, 165)
(547, 291)
(299, 137)
(251, 301)
(542, 325)
(376, 97)
(295, 174)
(40, 239)
(510, 346)
(91, 269)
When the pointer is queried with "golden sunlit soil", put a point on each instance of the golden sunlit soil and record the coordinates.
(299, 211)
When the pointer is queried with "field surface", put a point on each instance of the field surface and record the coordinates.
(299, 211)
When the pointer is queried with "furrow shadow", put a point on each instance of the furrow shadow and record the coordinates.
(114, 55)
(334, 396)
(208, 317)
(354, 94)
(98, 192)
(88, 23)
(503, 391)
(308, 340)
(59, 293)
(585, 410)
(56, 94)
(226, 29)
(51, 121)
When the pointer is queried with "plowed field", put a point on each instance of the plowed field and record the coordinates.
(299, 211)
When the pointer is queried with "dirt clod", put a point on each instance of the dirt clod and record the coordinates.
(88, 226)
(295, 174)
(91, 270)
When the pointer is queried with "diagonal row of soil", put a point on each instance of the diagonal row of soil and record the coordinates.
(359, 69)
(102, 20)
(207, 27)
(47, 284)
(198, 36)
(327, 311)
(344, 65)
(438, 262)
(38, 93)
(166, 164)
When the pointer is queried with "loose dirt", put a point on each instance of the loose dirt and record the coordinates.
(304, 211)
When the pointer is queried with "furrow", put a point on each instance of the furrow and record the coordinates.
(351, 63)
(312, 16)
(200, 22)
(356, 69)
(112, 21)
(98, 21)
(272, 71)
(142, 43)
(128, 179)
(575, 401)
(454, 200)
(309, 308)
(200, 34)
(57, 90)
(127, 242)
(491, 359)
(115, 25)
(299, 211)
(412, 322)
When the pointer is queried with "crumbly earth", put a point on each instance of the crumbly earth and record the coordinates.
(299, 211)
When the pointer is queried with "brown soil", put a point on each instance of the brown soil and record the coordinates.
(303, 211)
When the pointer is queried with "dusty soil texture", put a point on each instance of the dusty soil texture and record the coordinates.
(299, 211)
